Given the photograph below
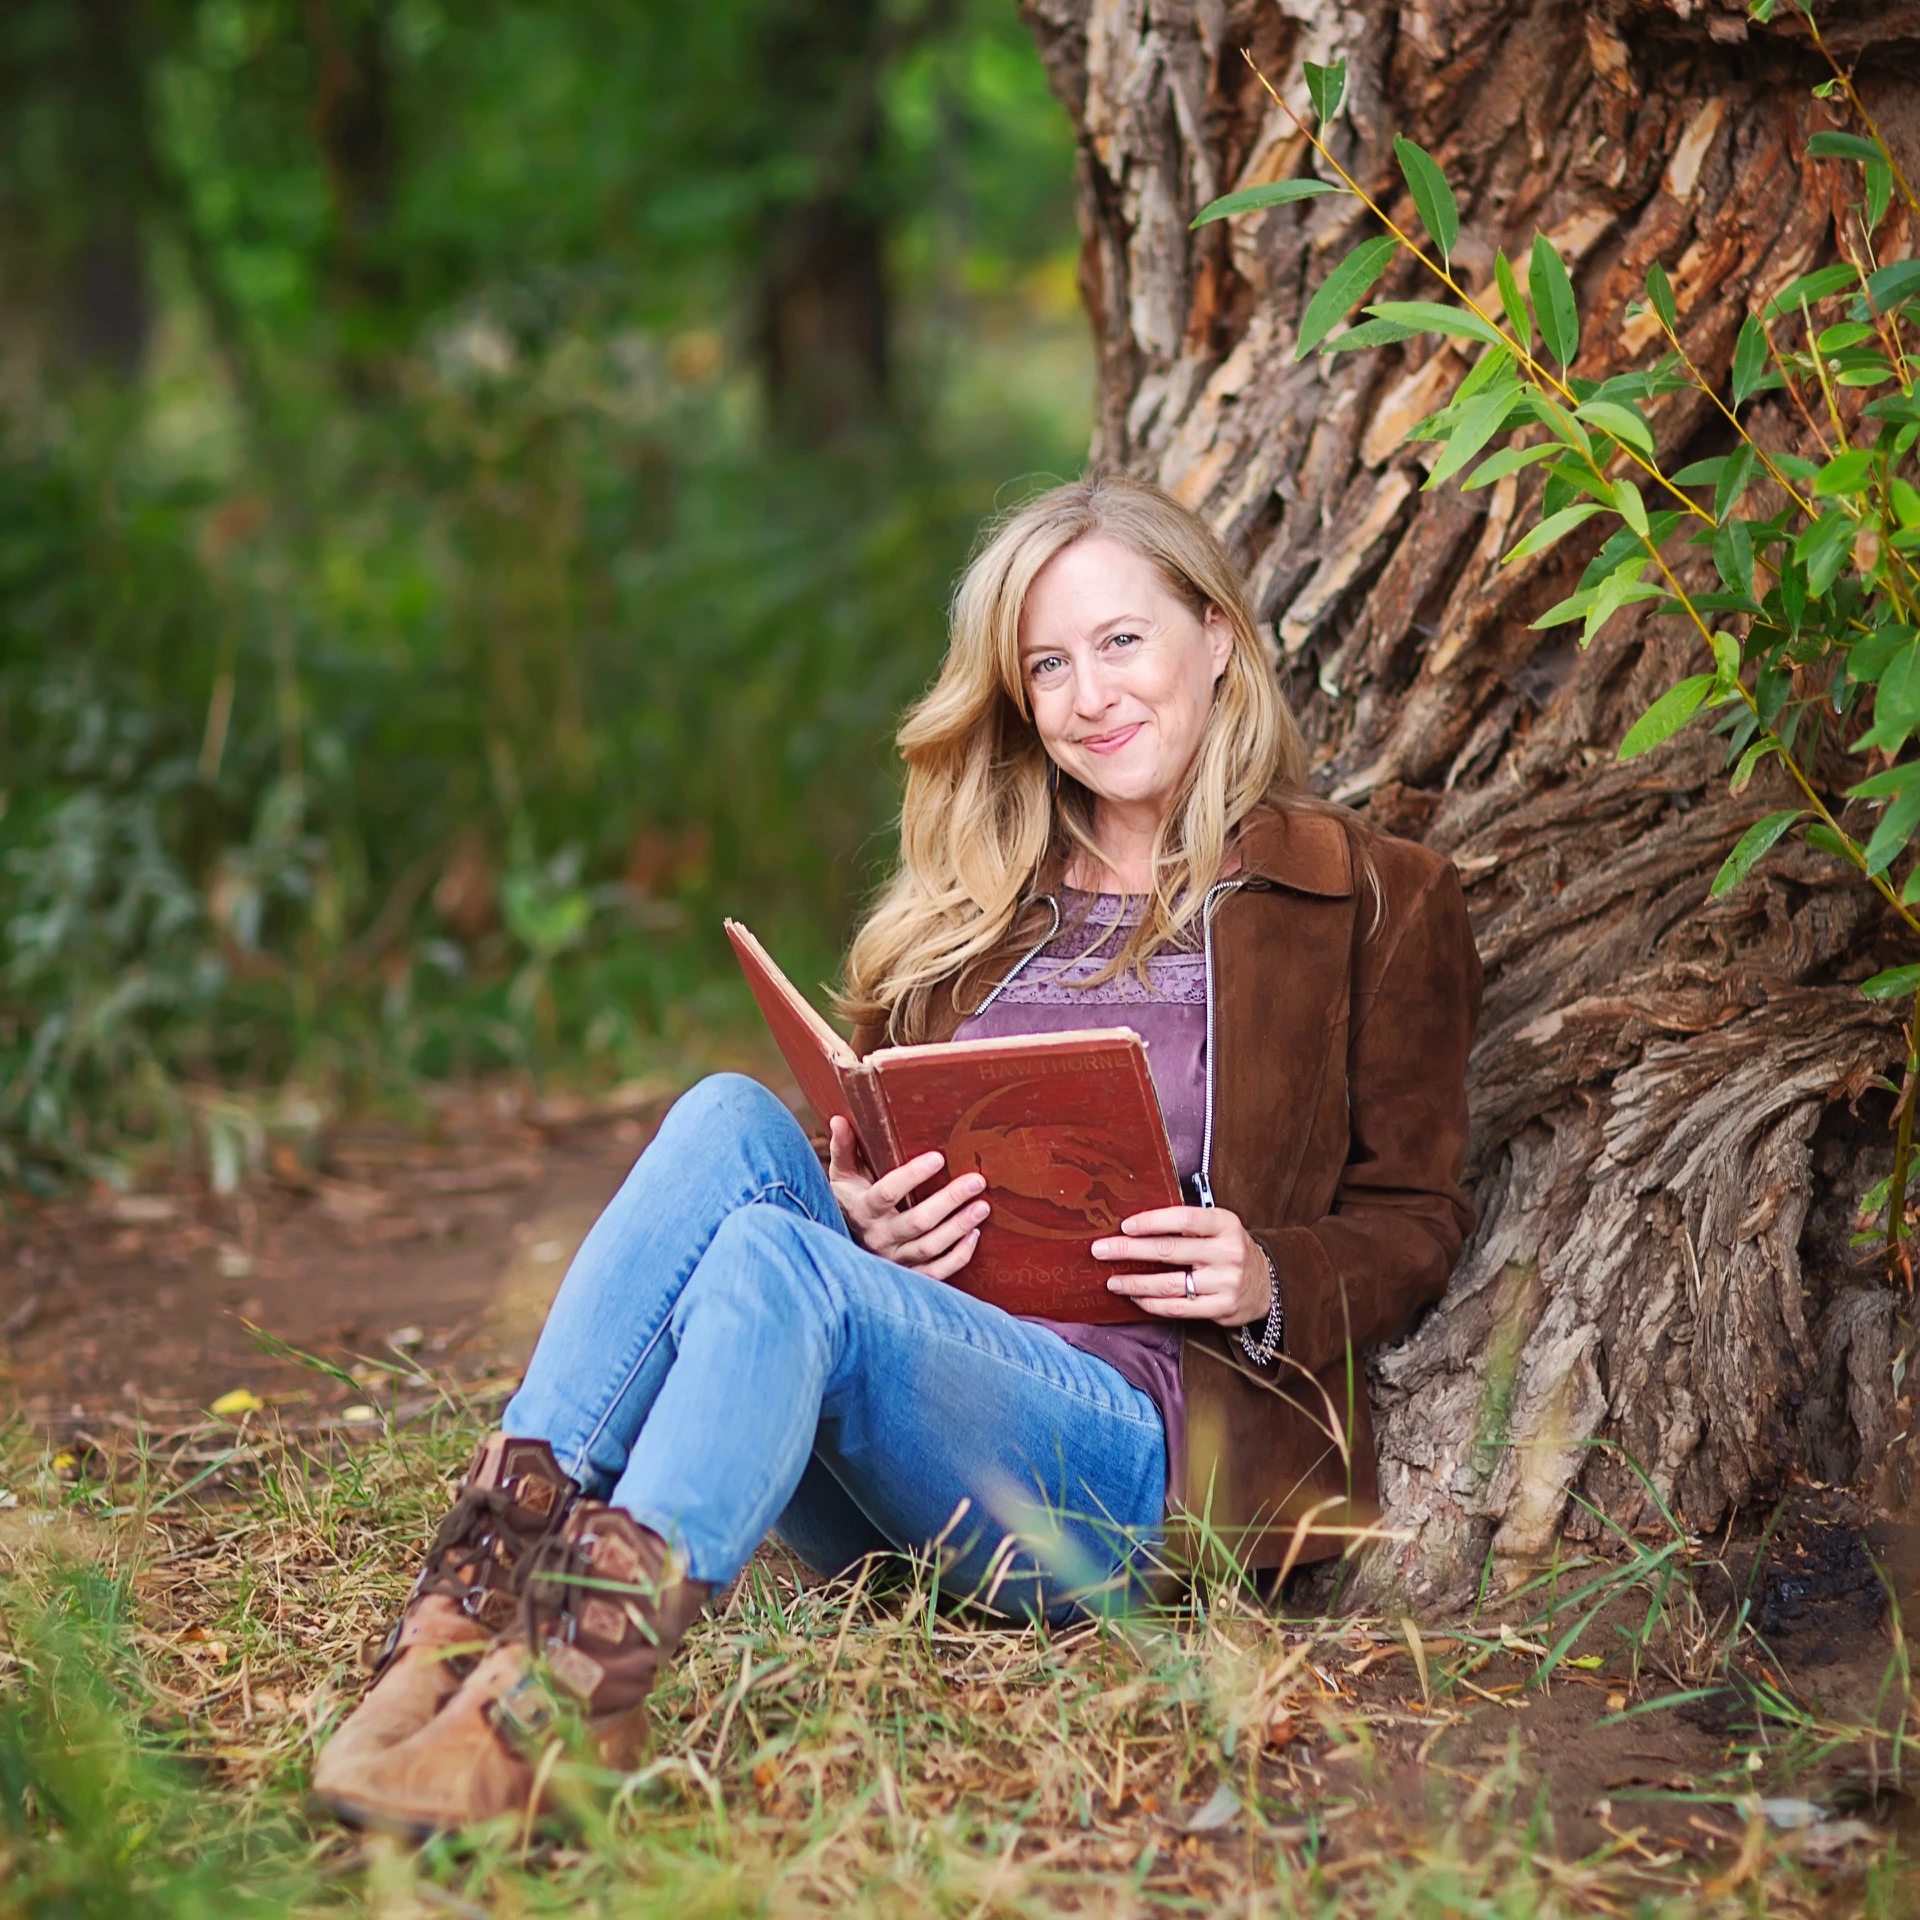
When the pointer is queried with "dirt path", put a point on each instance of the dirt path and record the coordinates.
(445, 1244)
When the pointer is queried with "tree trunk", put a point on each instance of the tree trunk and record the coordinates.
(1674, 1102)
(824, 322)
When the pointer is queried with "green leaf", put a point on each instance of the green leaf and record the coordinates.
(1621, 588)
(1894, 831)
(1733, 479)
(1326, 86)
(1845, 472)
(1279, 193)
(1632, 509)
(1824, 548)
(1726, 656)
(1750, 760)
(1750, 355)
(1439, 211)
(1869, 659)
(1823, 836)
(1555, 527)
(1757, 840)
(1833, 145)
(1554, 308)
(1906, 501)
(1884, 785)
(1508, 460)
(1896, 697)
(1733, 555)
(1369, 333)
(1429, 316)
(1622, 422)
(1481, 419)
(1811, 288)
(1879, 191)
(1495, 367)
(1888, 287)
(1660, 292)
(1342, 290)
(1516, 307)
(1576, 606)
(1560, 423)
(1897, 983)
(1666, 716)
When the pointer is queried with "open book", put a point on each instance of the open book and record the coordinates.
(1066, 1127)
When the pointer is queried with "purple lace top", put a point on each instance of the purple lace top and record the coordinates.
(1169, 1012)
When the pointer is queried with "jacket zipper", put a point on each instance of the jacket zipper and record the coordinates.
(1203, 1180)
(1007, 979)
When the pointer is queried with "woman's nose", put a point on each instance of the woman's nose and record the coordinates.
(1091, 693)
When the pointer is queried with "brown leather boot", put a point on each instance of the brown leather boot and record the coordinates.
(514, 1497)
(605, 1603)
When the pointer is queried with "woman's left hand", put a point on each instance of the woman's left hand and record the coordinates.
(1230, 1277)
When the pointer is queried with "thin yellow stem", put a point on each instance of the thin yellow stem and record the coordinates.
(1779, 478)
(1854, 852)
(1443, 274)
(1820, 374)
(1859, 106)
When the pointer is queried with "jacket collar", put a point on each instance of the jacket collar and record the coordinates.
(1298, 848)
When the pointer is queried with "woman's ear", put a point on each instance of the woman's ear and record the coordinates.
(1219, 634)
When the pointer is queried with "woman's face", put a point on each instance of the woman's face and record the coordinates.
(1119, 672)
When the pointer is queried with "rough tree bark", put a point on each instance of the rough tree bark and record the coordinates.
(1673, 1108)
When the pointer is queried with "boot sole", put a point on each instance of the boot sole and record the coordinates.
(365, 1819)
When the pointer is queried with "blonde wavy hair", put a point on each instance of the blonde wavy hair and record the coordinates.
(979, 822)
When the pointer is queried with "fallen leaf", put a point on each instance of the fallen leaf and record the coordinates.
(1792, 1813)
(1832, 1836)
(358, 1412)
(1616, 1701)
(1589, 1662)
(1221, 1810)
(231, 1405)
(1515, 1644)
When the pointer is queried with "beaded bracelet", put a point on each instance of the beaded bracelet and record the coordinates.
(1264, 1351)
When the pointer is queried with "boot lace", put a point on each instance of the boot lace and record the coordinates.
(486, 1525)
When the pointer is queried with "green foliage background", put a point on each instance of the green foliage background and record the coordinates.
(416, 626)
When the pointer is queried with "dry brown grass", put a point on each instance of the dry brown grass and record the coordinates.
(185, 1620)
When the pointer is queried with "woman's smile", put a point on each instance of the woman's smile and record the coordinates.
(1111, 742)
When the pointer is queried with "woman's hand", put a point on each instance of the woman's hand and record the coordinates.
(1231, 1281)
(936, 1236)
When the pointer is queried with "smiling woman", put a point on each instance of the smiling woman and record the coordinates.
(1104, 822)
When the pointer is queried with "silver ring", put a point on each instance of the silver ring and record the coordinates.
(1191, 1293)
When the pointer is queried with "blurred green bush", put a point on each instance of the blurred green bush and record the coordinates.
(475, 490)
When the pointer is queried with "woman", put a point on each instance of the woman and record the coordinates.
(1105, 822)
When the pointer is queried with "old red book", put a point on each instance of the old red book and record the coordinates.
(1066, 1127)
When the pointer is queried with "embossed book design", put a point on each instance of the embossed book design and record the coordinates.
(1066, 1127)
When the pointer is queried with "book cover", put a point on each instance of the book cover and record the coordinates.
(1065, 1127)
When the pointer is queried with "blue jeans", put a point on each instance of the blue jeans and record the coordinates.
(723, 1359)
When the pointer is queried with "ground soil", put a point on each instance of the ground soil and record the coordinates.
(442, 1245)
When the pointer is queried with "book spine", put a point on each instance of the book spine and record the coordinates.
(867, 1106)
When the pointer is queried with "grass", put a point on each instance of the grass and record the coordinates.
(182, 1619)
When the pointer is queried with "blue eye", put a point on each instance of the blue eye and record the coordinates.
(1123, 640)
(1047, 663)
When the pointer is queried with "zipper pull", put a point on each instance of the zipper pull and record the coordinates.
(1203, 1187)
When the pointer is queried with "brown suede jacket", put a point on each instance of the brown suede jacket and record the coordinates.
(1340, 1129)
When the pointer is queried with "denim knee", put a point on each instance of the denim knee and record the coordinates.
(760, 1260)
(730, 1103)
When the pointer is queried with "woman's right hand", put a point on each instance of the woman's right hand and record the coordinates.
(936, 1236)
